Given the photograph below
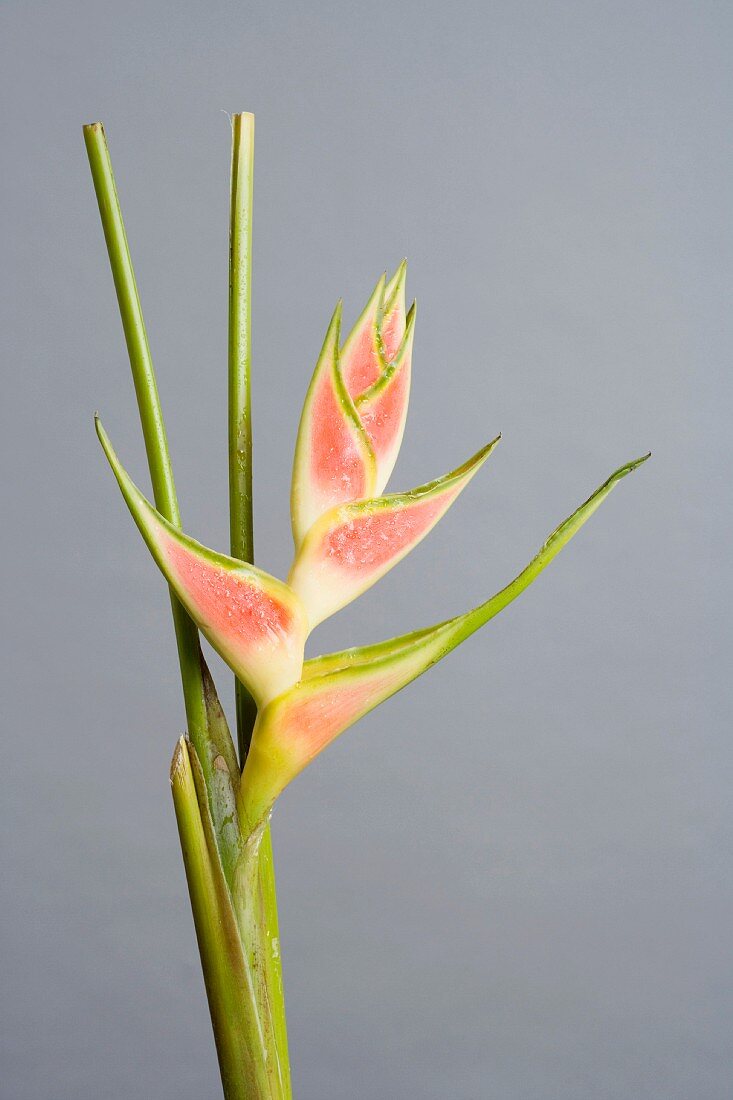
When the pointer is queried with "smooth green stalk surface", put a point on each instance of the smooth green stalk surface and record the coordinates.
(241, 534)
(241, 528)
(151, 416)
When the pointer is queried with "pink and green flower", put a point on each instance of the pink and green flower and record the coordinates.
(347, 537)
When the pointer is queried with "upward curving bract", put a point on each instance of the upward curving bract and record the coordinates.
(254, 621)
(376, 365)
(338, 689)
(351, 547)
(334, 460)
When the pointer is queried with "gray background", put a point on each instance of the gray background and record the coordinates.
(513, 880)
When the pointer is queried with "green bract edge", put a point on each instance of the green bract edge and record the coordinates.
(319, 605)
(144, 514)
(357, 656)
(390, 369)
(377, 295)
(393, 287)
(342, 513)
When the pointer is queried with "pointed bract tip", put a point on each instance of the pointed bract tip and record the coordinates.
(180, 759)
(334, 325)
(408, 336)
(101, 433)
(396, 284)
(379, 287)
(400, 274)
(106, 444)
(481, 455)
(472, 465)
(633, 465)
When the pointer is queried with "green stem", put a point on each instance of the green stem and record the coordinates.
(240, 336)
(240, 359)
(151, 416)
(241, 525)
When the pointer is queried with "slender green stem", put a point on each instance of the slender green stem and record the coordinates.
(151, 416)
(240, 512)
(240, 358)
(240, 336)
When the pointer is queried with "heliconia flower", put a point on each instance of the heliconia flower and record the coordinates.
(352, 545)
(254, 621)
(354, 413)
(347, 536)
(336, 690)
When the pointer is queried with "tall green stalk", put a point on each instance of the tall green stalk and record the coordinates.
(151, 415)
(241, 533)
(241, 523)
